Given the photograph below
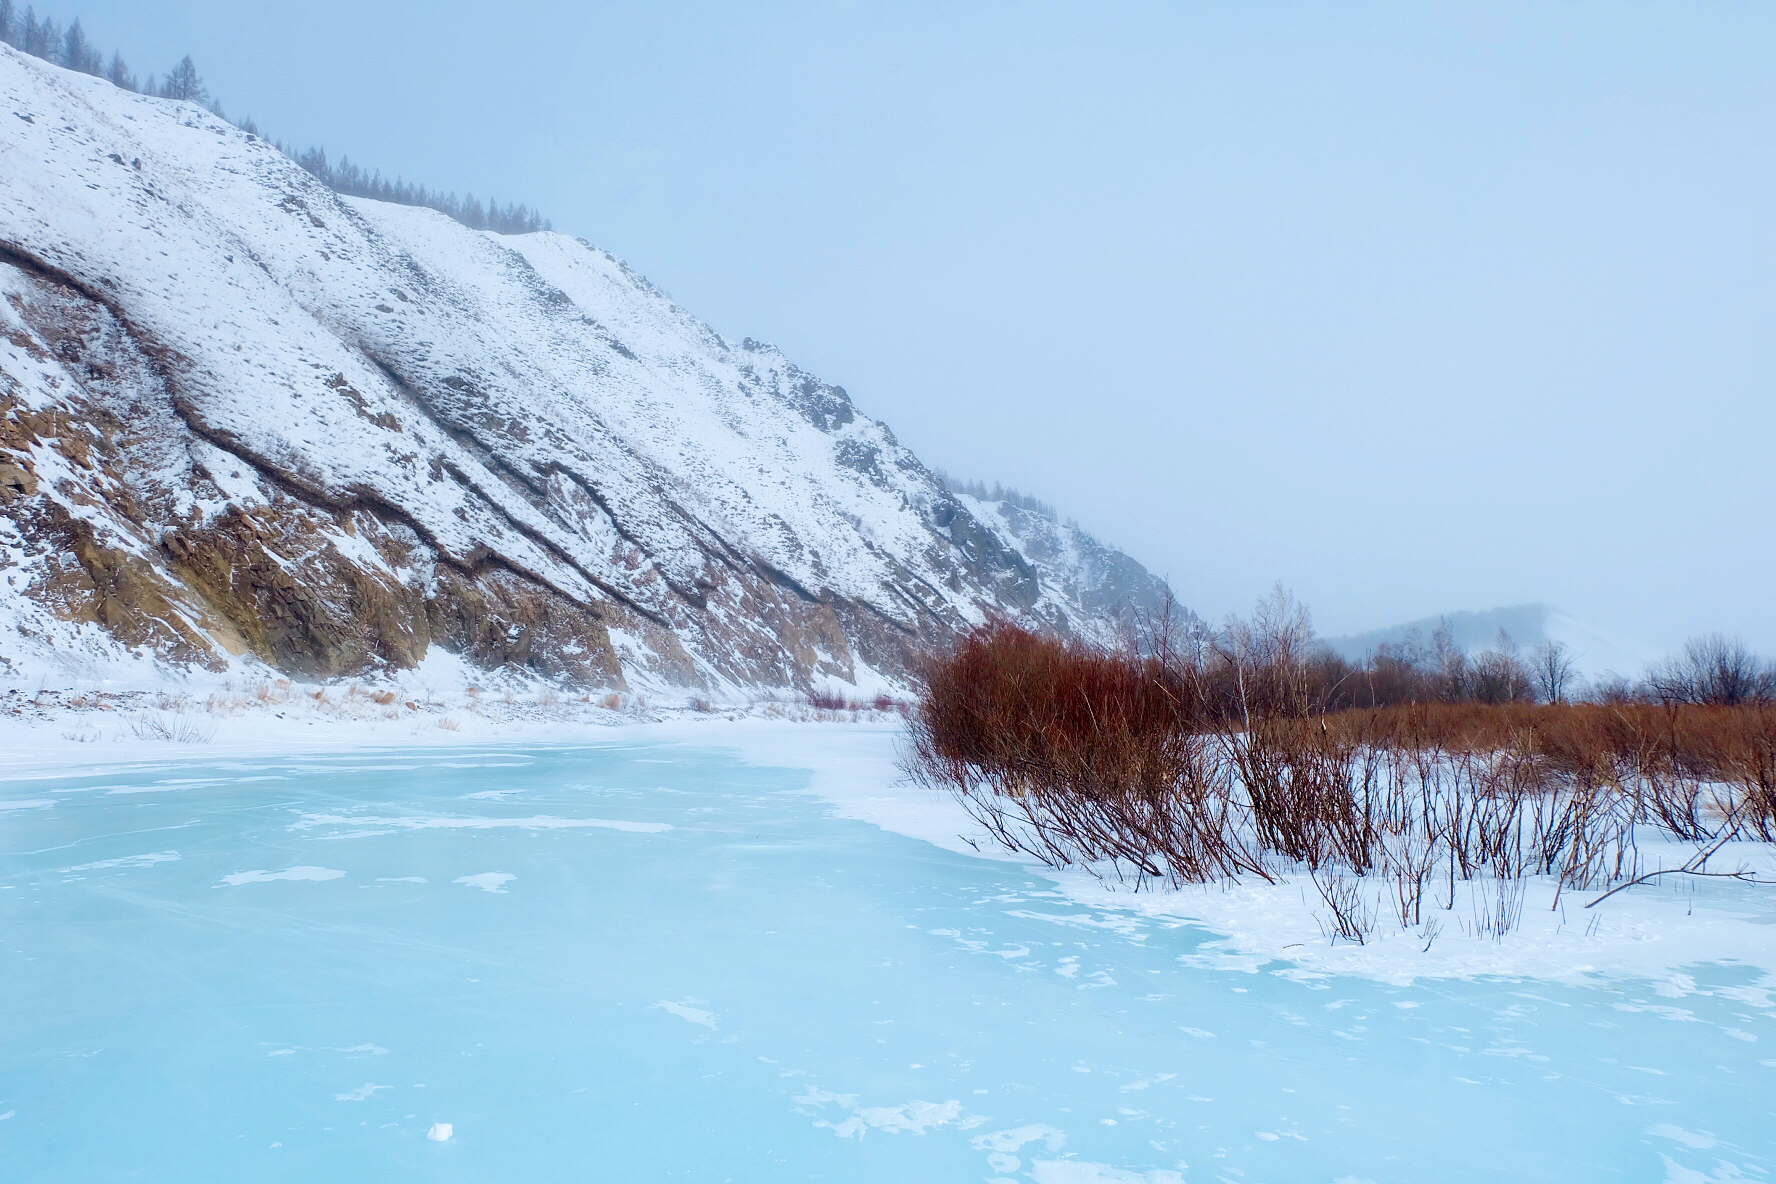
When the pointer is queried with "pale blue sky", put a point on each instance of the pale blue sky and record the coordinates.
(1414, 307)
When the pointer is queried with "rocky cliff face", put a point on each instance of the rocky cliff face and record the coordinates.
(246, 420)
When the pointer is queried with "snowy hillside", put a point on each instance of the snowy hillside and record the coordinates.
(245, 419)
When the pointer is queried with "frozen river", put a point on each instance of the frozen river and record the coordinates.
(640, 962)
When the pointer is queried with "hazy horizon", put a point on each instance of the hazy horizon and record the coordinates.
(1416, 311)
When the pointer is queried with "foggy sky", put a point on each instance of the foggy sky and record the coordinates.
(1415, 308)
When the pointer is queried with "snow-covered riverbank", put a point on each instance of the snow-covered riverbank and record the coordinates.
(1651, 932)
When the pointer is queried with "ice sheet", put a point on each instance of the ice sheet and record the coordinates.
(763, 969)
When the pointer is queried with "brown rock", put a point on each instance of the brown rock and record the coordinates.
(15, 482)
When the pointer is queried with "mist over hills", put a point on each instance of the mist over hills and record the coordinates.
(1595, 651)
(247, 419)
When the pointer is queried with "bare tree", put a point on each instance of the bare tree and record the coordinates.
(1714, 669)
(1554, 672)
(1611, 688)
(1499, 675)
(1266, 658)
(1451, 664)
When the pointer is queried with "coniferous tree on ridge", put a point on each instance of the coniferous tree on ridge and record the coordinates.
(182, 82)
(74, 51)
(39, 36)
(118, 72)
(78, 53)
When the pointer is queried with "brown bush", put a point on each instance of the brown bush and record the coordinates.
(1071, 753)
(1192, 770)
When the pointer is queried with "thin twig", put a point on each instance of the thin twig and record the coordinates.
(1741, 875)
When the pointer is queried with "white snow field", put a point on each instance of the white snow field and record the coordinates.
(743, 952)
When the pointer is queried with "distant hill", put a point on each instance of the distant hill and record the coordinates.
(1596, 651)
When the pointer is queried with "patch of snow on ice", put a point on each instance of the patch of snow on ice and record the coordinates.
(486, 881)
(684, 1011)
(362, 1092)
(289, 873)
(914, 1116)
(1677, 1134)
(1015, 1138)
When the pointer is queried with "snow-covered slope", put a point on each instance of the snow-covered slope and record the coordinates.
(243, 418)
(1098, 579)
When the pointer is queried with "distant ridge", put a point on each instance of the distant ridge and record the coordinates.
(1472, 630)
(1596, 651)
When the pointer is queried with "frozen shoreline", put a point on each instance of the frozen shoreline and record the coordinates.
(1653, 932)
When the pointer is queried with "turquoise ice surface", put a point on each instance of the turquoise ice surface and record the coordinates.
(746, 988)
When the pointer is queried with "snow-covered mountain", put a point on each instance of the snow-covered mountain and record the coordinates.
(244, 419)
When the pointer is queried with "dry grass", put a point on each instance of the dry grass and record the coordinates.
(1196, 770)
(179, 729)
